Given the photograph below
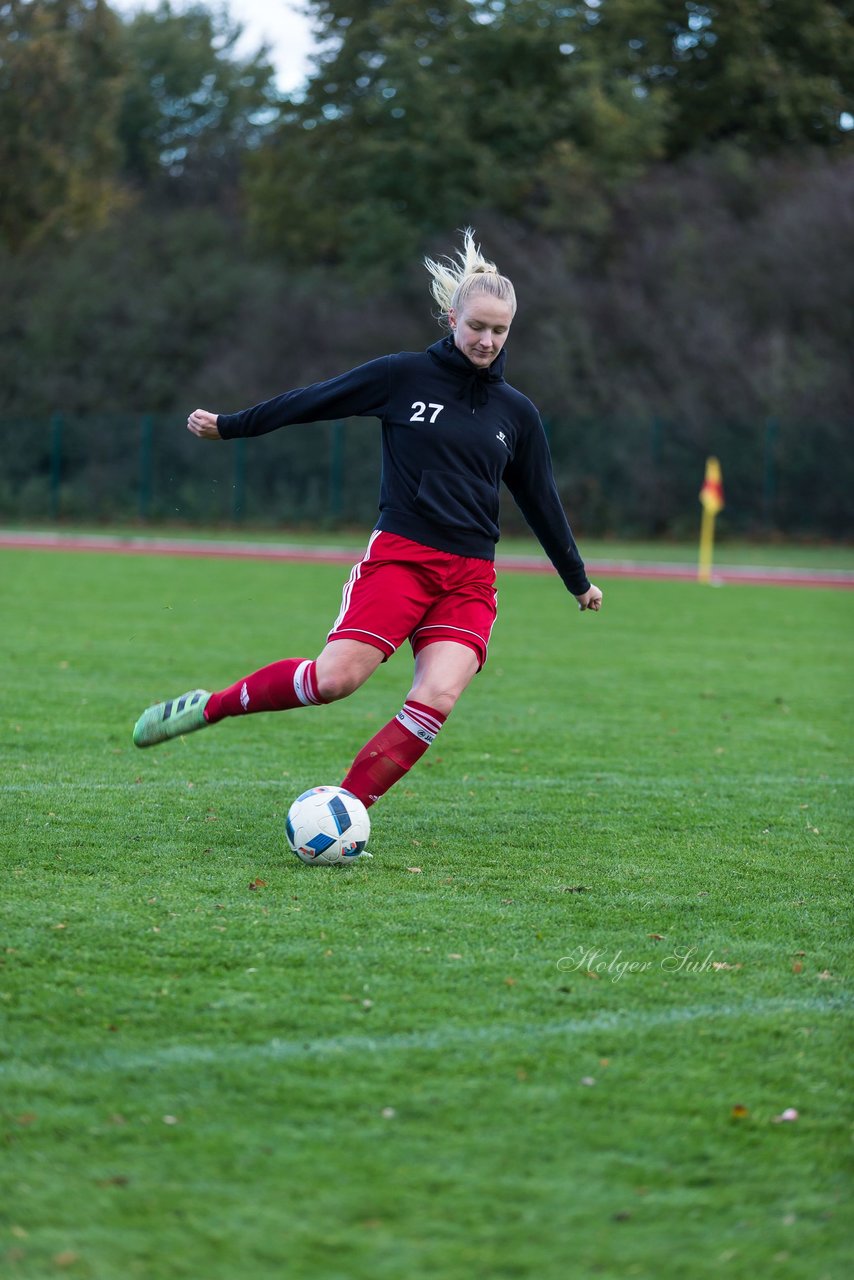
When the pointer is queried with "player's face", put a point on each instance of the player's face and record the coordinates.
(480, 327)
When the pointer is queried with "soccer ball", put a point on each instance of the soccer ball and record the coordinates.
(328, 825)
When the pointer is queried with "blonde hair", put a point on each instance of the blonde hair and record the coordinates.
(453, 281)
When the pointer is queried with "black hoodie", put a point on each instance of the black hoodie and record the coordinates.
(451, 433)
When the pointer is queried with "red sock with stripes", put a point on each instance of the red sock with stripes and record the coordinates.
(393, 751)
(278, 687)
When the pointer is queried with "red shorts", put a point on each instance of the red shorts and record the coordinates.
(403, 590)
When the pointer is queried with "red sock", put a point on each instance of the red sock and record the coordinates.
(393, 751)
(278, 687)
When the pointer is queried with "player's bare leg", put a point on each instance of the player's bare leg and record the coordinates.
(443, 671)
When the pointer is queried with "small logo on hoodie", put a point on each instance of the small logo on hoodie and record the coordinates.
(501, 436)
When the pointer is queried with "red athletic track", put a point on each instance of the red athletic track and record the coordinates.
(142, 546)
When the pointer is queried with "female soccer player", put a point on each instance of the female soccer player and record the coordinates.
(452, 430)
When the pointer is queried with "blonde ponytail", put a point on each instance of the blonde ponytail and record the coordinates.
(453, 281)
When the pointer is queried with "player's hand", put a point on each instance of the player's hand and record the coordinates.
(591, 599)
(203, 425)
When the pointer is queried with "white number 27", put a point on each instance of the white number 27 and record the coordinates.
(420, 408)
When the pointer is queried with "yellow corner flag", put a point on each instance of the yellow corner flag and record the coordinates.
(712, 500)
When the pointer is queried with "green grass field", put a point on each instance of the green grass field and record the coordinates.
(603, 944)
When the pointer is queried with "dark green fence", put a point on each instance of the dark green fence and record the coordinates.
(148, 468)
(615, 477)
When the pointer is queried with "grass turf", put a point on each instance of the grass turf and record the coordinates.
(547, 1032)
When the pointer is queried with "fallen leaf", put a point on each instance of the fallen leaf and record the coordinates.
(257, 883)
(739, 1111)
(797, 967)
(26, 1119)
(656, 937)
(787, 1116)
(65, 1259)
(510, 982)
(588, 1081)
(171, 1120)
(388, 1113)
(454, 955)
(825, 975)
(415, 870)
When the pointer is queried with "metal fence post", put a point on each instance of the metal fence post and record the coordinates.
(56, 425)
(336, 470)
(239, 481)
(655, 441)
(146, 429)
(769, 479)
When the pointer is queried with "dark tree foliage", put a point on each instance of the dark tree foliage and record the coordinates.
(421, 115)
(60, 85)
(768, 75)
(191, 108)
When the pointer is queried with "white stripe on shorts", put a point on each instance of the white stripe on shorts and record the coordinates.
(355, 574)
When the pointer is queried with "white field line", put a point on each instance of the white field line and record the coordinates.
(436, 1040)
(599, 783)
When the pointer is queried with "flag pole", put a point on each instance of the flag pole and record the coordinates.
(712, 501)
(707, 545)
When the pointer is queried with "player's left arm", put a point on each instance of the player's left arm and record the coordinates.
(530, 478)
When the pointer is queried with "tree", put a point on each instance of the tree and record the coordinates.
(191, 107)
(766, 75)
(419, 116)
(60, 81)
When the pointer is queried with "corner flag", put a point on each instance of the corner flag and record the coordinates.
(712, 500)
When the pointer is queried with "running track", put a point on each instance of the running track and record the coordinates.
(241, 550)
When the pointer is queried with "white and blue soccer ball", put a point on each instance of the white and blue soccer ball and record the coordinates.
(327, 825)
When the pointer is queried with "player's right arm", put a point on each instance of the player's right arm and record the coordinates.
(362, 392)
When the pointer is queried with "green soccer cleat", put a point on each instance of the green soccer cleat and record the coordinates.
(170, 719)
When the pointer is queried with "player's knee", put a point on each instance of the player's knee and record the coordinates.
(440, 697)
(337, 683)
